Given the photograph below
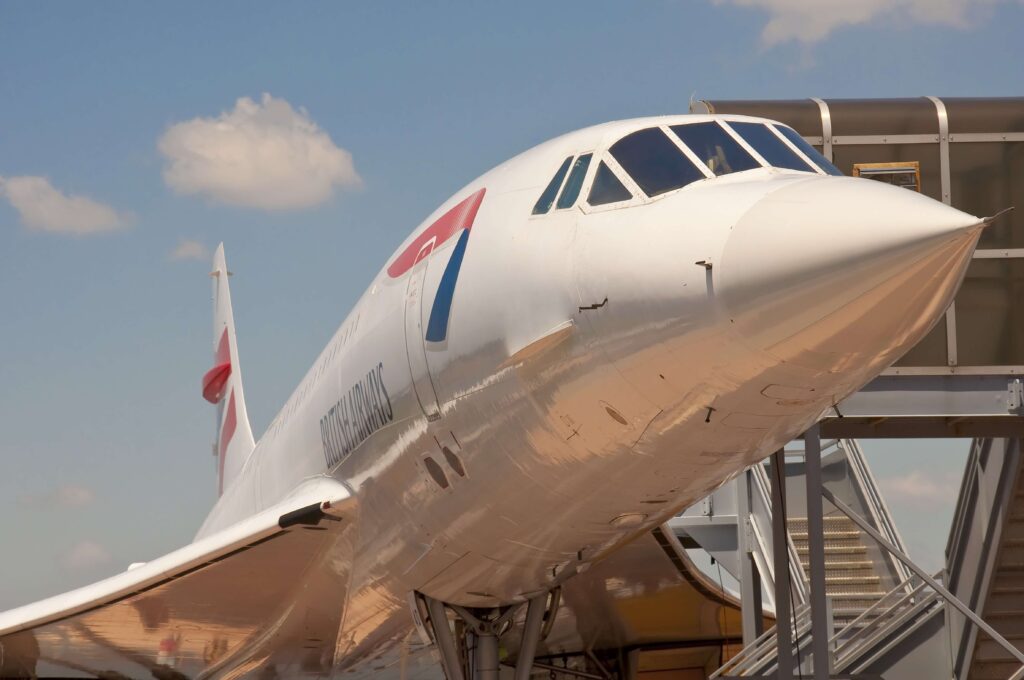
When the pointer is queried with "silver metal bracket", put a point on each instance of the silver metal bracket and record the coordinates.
(1015, 396)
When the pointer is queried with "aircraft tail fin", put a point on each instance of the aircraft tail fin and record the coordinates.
(222, 384)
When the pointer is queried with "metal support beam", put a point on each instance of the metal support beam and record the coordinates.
(486, 657)
(531, 636)
(780, 558)
(816, 545)
(826, 128)
(752, 611)
(935, 585)
(443, 638)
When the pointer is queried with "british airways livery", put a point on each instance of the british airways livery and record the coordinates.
(583, 341)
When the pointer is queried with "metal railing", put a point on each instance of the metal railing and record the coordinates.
(905, 604)
(858, 643)
(760, 491)
(878, 511)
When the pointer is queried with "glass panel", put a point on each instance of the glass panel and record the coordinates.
(802, 114)
(713, 145)
(607, 188)
(931, 351)
(654, 161)
(773, 149)
(989, 315)
(986, 177)
(575, 181)
(883, 116)
(989, 114)
(809, 151)
(548, 197)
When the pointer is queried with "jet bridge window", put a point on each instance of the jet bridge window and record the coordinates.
(607, 188)
(809, 151)
(575, 182)
(548, 197)
(713, 145)
(771, 148)
(654, 161)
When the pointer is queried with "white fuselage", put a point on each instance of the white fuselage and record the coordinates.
(594, 379)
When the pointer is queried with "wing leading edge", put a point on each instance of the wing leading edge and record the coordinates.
(211, 605)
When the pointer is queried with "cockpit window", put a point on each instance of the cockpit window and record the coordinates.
(575, 182)
(809, 151)
(771, 148)
(713, 145)
(654, 161)
(607, 188)
(548, 197)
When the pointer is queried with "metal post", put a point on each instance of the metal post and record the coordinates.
(816, 545)
(486, 657)
(780, 558)
(531, 636)
(444, 639)
(932, 583)
(751, 610)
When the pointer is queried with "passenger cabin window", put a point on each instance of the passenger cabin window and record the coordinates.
(768, 144)
(654, 161)
(575, 182)
(607, 188)
(715, 147)
(809, 151)
(548, 197)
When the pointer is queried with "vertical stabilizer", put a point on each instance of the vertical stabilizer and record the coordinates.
(222, 384)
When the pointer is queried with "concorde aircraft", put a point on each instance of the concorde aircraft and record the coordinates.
(578, 344)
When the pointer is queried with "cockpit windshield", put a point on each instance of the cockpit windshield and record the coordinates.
(809, 151)
(663, 159)
(715, 147)
(654, 161)
(775, 151)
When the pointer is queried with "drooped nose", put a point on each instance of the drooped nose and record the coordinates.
(831, 272)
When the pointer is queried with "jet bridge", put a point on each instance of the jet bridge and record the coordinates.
(878, 614)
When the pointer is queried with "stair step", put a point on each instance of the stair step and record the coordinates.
(863, 595)
(836, 549)
(997, 670)
(828, 533)
(852, 579)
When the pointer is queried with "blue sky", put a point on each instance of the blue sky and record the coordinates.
(105, 333)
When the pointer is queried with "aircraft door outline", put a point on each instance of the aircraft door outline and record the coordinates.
(415, 347)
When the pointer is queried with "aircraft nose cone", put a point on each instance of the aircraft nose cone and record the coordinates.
(831, 271)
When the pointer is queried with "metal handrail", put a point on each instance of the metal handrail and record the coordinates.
(897, 620)
(935, 585)
(763, 647)
(964, 505)
(798, 579)
(880, 514)
(899, 590)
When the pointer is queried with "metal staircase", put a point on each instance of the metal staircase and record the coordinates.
(852, 578)
(863, 641)
(985, 555)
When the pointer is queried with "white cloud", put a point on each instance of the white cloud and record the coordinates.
(85, 554)
(64, 496)
(188, 249)
(260, 155)
(919, 487)
(809, 22)
(42, 206)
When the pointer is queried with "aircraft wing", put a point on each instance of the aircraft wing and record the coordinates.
(210, 606)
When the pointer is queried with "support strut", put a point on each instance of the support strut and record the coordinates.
(479, 630)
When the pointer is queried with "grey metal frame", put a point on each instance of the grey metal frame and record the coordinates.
(943, 139)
